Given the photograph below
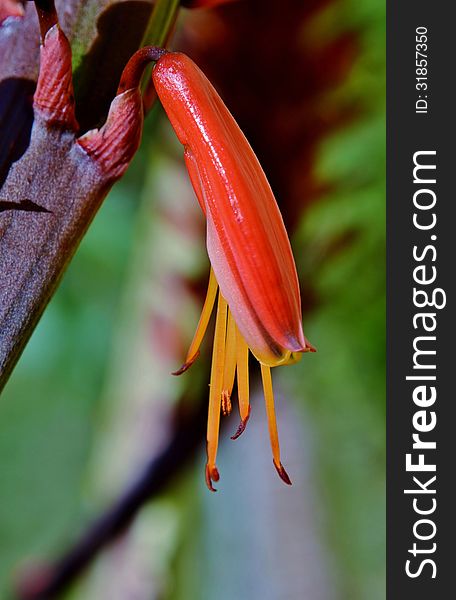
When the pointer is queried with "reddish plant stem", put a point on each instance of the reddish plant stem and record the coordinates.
(134, 69)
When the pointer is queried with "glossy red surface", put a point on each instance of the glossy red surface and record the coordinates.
(246, 239)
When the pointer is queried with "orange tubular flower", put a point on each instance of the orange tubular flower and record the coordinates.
(259, 304)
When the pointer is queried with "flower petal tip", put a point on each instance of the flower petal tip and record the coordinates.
(212, 474)
(242, 426)
(186, 365)
(282, 473)
(308, 346)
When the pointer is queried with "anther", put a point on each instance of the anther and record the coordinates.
(226, 403)
(282, 473)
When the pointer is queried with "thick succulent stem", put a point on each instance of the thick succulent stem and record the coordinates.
(51, 194)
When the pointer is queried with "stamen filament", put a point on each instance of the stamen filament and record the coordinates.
(215, 392)
(242, 363)
(272, 423)
(230, 364)
(193, 351)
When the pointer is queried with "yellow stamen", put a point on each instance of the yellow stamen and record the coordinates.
(230, 364)
(272, 424)
(193, 351)
(242, 362)
(215, 392)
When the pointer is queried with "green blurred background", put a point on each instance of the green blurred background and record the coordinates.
(90, 401)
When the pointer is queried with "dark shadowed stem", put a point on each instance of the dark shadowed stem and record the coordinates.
(50, 581)
(47, 16)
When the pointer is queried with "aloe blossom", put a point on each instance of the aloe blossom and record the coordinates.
(253, 277)
(253, 270)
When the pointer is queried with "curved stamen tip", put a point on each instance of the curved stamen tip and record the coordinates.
(186, 365)
(282, 473)
(212, 474)
(242, 426)
(226, 403)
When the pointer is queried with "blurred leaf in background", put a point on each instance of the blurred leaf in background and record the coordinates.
(90, 400)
